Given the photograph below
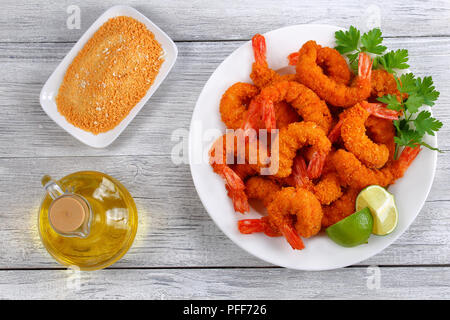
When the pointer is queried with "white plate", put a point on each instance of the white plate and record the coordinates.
(51, 87)
(320, 253)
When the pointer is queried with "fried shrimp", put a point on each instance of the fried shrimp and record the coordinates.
(353, 173)
(308, 105)
(327, 189)
(339, 209)
(249, 226)
(234, 104)
(280, 114)
(353, 133)
(261, 74)
(285, 114)
(378, 110)
(263, 189)
(298, 208)
(293, 138)
(293, 212)
(332, 63)
(311, 74)
(244, 170)
(383, 83)
(222, 154)
(299, 175)
(382, 131)
(233, 183)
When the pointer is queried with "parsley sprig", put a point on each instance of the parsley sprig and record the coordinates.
(414, 92)
(413, 127)
(393, 60)
(350, 43)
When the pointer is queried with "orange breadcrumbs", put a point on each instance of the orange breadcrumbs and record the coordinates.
(110, 75)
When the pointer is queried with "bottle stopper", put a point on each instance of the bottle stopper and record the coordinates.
(68, 213)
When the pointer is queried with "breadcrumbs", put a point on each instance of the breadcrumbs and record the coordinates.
(110, 75)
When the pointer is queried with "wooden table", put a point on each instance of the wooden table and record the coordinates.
(179, 252)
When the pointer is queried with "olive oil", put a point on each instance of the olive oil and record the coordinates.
(112, 225)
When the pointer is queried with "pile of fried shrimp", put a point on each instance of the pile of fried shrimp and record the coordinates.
(334, 139)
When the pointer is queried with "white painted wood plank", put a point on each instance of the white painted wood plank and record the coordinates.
(175, 230)
(350, 283)
(25, 130)
(224, 20)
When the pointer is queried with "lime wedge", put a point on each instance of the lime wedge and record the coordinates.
(353, 230)
(382, 207)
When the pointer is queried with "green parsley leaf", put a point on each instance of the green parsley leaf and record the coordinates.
(408, 83)
(408, 138)
(395, 60)
(405, 135)
(414, 102)
(371, 42)
(426, 89)
(391, 102)
(401, 124)
(347, 41)
(425, 123)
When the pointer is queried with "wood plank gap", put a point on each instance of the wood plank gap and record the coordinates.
(86, 156)
(362, 266)
(432, 36)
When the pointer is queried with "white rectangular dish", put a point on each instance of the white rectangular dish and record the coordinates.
(51, 87)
